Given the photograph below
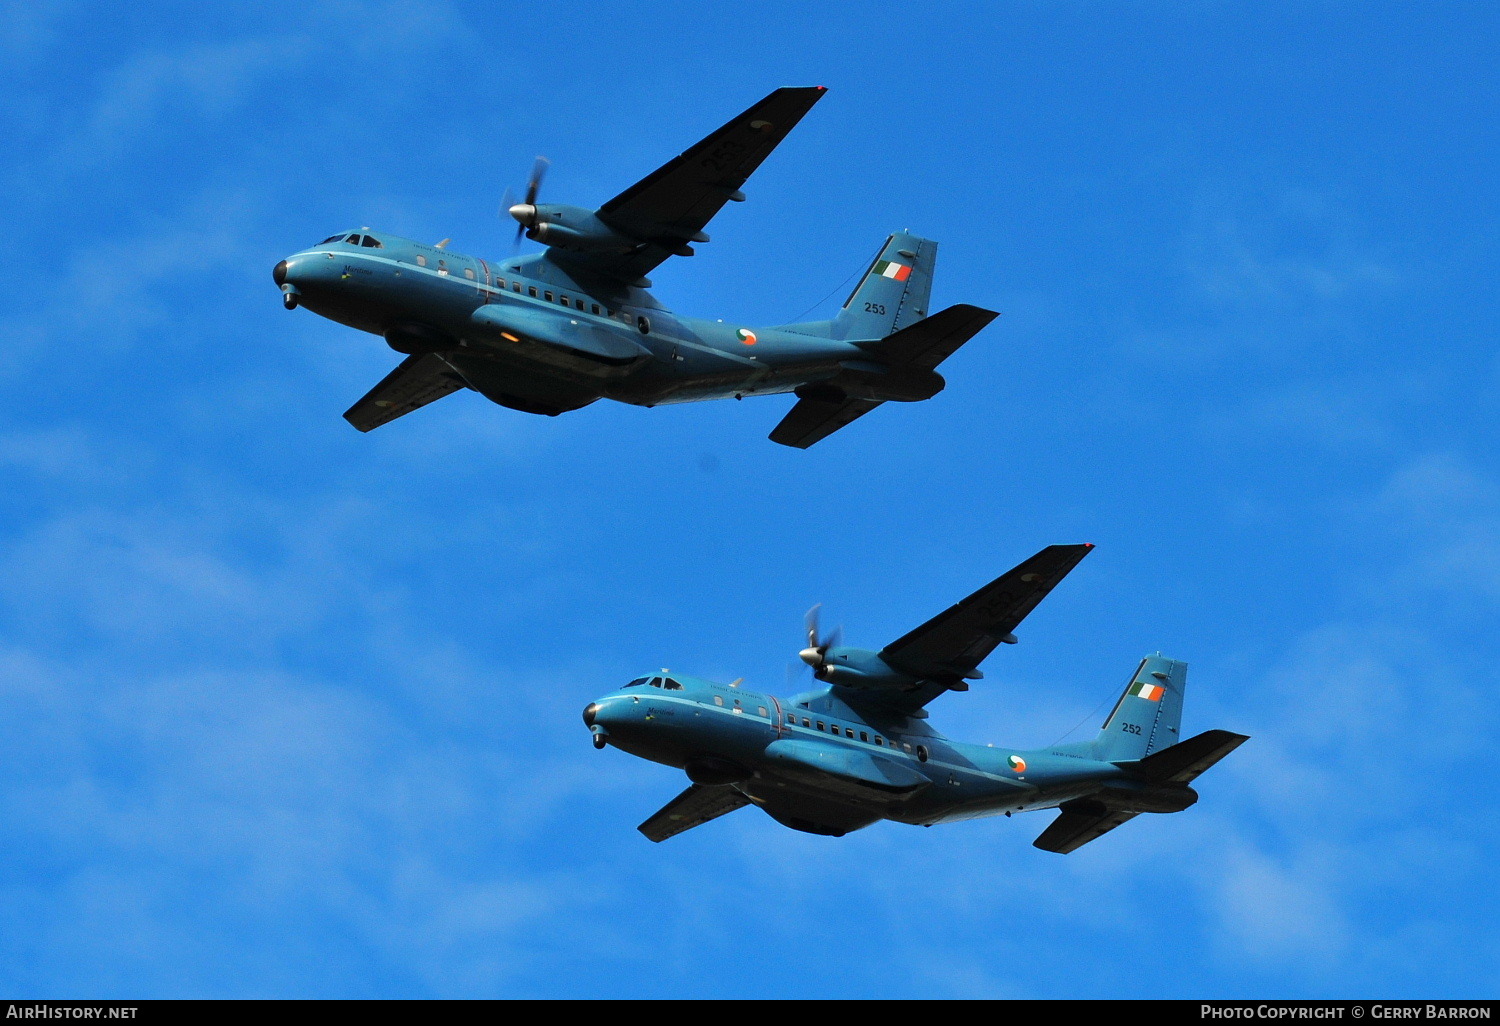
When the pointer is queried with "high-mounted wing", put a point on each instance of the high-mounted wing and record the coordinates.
(693, 807)
(419, 380)
(669, 208)
(1082, 821)
(953, 643)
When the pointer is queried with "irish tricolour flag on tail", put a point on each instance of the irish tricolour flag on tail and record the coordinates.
(891, 269)
(1150, 692)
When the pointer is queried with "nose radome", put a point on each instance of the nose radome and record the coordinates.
(589, 712)
(278, 273)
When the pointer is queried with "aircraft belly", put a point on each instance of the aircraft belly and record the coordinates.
(840, 770)
(661, 382)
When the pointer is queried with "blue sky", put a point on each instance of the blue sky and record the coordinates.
(286, 710)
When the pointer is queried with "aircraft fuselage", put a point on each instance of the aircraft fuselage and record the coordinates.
(529, 334)
(815, 763)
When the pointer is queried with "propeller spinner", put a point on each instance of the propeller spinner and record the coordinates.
(525, 212)
(816, 652)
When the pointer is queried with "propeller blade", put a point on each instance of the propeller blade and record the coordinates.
(811, 621)
(538, 172)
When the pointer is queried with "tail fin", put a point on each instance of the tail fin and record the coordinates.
(1148, 715)
(893, 293)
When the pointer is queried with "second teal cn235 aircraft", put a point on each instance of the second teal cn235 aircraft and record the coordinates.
(859, 750)
(555, 331)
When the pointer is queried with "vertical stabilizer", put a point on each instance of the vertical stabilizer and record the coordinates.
(894, 292)
(1148, 715)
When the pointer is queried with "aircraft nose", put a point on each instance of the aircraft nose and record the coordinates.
(278, 273)
(589, 712)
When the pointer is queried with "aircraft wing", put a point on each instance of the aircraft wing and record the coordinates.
(1082, 821)
(669, 208)
(693, 807)
(953, 643)
(419, 380)
(813, 420)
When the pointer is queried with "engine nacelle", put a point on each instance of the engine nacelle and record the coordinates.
(570, 228)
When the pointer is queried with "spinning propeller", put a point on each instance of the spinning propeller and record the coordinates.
(525, 212)
(816, 652)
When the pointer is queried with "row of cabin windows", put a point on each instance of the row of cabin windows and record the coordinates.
(576, 304)
(442, 268)
(355, 240)
(738, 708)
(920, 751)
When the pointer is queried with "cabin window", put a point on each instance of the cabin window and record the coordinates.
(515, 286)
(421, 260)
(807, 722)
(643, 325)
(563, 300)
(762, 711)
(922, 753)
(907, 746)
(849, 733)
(442, 267)
(372, 242)
(718, 700)
(500, 284)
(820, 724)
(596, 309)
(548, 296)
(531, 289)
(878, 741)
(469, 273)
(864, 737)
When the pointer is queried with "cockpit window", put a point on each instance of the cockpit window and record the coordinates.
(656, 682)
(332, 238)
(353, 240)
(670, 684)
(637, 682)
(372, 242)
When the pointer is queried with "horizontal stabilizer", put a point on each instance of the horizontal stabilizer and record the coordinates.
(693, 807)
(1181, 763)
(419, 380)
(929, 342)
(1082, 821)
(813, 420)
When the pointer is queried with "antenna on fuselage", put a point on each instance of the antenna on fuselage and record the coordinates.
(442, 244)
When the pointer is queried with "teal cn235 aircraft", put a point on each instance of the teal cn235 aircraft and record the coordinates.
(859, 750)
(552, 332)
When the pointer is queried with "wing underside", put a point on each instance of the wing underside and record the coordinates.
(418, 380)
(693, 807)
(951, 645)
(669, 208)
